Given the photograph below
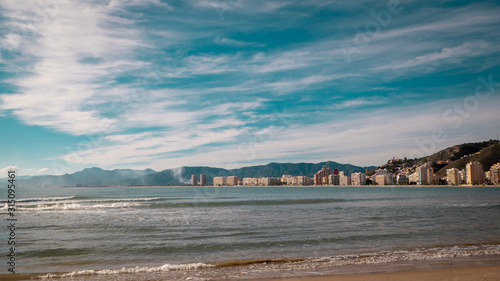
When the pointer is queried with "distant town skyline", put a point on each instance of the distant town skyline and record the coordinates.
(472, 175)
(163, 84)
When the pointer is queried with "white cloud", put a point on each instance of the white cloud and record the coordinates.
(43, 170)
(287, 86)
(364, 101)
(118, 3)
(7, 169)
(236, 43)
(455, 55)
(55, 94)
(149, 147)
(11, 41)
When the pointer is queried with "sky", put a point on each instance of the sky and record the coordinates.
(229, 83)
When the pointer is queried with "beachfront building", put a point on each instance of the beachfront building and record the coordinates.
(463, 176)
(413, 178)
(495, 173)
(319, 177)
(475, 173)
(425, 173)
(453, 176)
(268, 181)
(333, 179)
(302, 180)
(344, 179)
(401, 179)
(487, 176)
(358, 179)
(220, 181)
(232, 180)
(383, 177)
(251, 181)
(194, 180)
(203, 179)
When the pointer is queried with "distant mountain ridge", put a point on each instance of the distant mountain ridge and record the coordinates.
(180, 176)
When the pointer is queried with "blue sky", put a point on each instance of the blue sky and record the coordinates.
(162, 84)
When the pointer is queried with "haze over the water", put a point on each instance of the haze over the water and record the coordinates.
(162, 84)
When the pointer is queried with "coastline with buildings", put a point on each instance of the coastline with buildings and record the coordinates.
(472, 175)
(468, 164)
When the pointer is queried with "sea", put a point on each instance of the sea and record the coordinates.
(234, 233)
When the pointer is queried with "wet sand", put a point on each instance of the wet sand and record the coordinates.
(490, 273)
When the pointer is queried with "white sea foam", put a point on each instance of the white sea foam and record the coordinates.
(75, 206)
(72, 204)
(468, 205)
(413, 255)
(47, 199)
(125, 200)
(137, 269)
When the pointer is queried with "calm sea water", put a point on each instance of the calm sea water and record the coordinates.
(184, 233)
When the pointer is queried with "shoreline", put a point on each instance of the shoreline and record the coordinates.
(452, 269)
(488, 273)
(407, 272)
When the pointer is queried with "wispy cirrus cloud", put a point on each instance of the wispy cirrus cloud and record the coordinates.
(167, 83)
(455, 55)
(236, 43)
(60, 84)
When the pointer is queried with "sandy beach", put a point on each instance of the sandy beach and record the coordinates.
(490, 273)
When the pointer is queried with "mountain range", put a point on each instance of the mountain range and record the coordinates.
(180, 176)
(487, 153)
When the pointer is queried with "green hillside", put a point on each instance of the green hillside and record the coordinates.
(487, 156)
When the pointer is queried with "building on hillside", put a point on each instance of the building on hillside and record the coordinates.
(495, 173)
(203, 179)
(220, 181)
(320, 175)
(194, 180)
(475, 173)
(358, 179)
(453, 176)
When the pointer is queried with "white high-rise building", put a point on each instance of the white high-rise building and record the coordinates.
(453, 176)
(475, 173)
(232, 180)
(358, 179)
(343, 179)
(194, 180)
(220, 181)
(425, 173)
